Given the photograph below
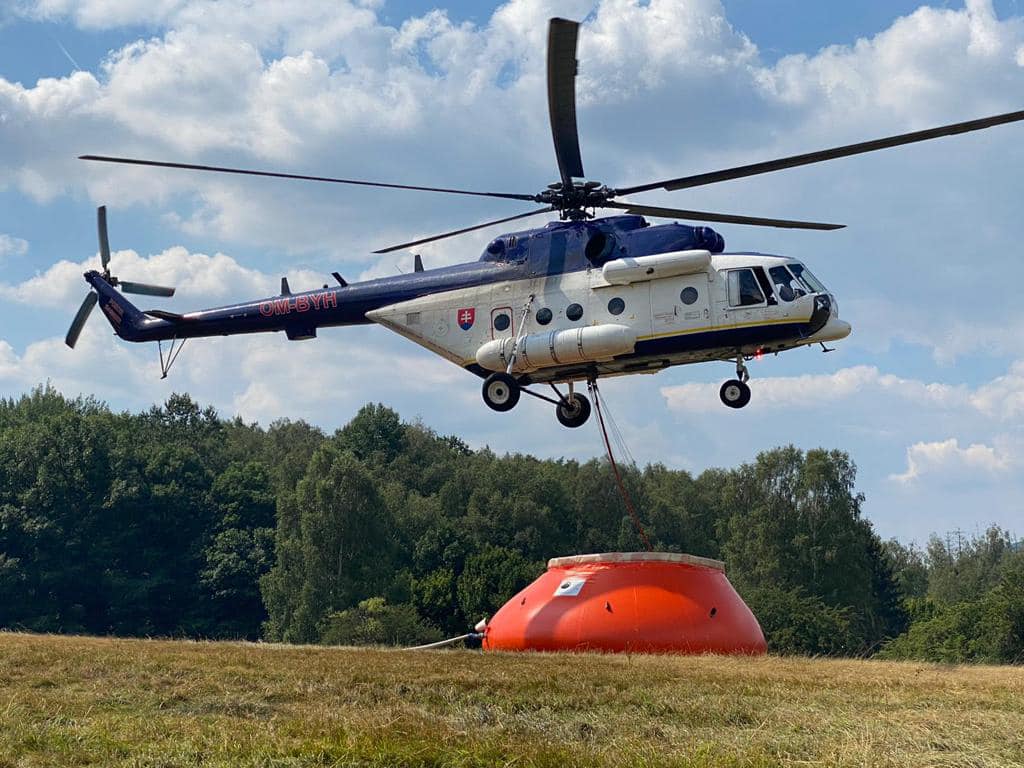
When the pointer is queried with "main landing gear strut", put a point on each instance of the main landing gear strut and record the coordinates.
(501, 393)
(735, 393)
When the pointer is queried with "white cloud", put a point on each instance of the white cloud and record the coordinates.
(903, 72)
(816, 390)
(12, 246)
(325, 87)
(196, 276)
(1001, 399)
(948, 460)
(260, 378)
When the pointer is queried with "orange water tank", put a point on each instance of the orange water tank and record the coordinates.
(642, 602)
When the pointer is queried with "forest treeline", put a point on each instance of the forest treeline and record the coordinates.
(178, 522)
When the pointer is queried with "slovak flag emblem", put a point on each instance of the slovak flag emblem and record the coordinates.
(466, 317)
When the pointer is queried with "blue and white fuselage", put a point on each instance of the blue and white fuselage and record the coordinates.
(570, 301)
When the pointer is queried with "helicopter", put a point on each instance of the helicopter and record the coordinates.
(582, 298)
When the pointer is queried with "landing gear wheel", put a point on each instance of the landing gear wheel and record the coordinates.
(501, 392)
(573, 411)
(735, 393)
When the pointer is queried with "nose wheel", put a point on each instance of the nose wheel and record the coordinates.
(735, 393)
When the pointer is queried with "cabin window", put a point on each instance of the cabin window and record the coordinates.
(688, 295)
(544, 315)
(743, 288)
(616, 306)
(574, 312)
(502, 322)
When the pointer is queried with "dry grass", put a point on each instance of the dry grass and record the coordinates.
(89, 701)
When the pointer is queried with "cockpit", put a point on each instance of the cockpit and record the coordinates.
(793, 280)
(771, 284)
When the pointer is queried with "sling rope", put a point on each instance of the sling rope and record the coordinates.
(596, 395)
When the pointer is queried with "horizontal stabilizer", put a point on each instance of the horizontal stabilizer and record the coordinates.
(160, 314)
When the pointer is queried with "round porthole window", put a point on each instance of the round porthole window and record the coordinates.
(574, 311)
(688, 295)
(616, 306)
(544, 316)
(502, 322)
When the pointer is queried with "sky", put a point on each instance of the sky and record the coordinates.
(927, 394)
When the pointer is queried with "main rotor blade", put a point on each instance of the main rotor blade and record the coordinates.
(755, 169)
(463, 231)
(727, 218)
(276, 175)
(101, 226)
(80, 317)
(145, 289)
(562, 35)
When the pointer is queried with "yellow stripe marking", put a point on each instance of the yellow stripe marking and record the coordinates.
(707, 328)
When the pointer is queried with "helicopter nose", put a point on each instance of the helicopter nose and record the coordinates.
(833, 330)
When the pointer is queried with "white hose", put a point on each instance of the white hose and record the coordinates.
(442, 643)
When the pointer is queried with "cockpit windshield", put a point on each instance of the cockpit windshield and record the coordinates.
(804, 274)
(794, 282)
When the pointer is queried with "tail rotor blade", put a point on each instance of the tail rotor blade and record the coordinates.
(101, 226)
(145, 289)
(80, 317)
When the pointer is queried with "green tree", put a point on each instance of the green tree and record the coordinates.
(235, 561)
(796, 525)
(965, 568)
(490, 578)
(909, 567)
(375, 434)
(343, 546)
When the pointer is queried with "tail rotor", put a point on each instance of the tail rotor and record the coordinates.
(80, 317)
(127, 287)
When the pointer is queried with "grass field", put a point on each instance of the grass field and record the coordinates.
(89, 701)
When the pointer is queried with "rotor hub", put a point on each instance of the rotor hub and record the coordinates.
(572, 202)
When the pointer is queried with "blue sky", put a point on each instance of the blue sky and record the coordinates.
(927, 394)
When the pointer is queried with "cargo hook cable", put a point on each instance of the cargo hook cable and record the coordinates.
(596, 395)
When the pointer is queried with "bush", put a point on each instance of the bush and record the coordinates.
(798, 624)
(945, 637)
(990, 629)
(374, 622)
